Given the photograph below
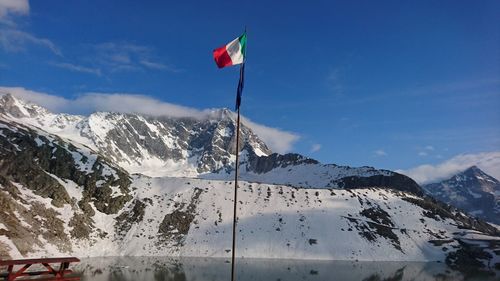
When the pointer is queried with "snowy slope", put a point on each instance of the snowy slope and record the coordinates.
(274, 222)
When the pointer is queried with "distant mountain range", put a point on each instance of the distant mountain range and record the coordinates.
(472, 191)
(190, 147)
(113, 184)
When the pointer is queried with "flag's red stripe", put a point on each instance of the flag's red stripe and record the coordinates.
(222, 58)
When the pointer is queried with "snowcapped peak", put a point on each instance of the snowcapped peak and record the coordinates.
(152, 145)
(10, 105)
(472, 190)
(475, 174)
(222, 114)
(474, 171)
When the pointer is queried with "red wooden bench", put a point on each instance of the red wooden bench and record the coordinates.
(53, 274)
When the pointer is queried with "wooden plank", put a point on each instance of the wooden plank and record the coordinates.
(38, 261)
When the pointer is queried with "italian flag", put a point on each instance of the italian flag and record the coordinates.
(233, 53)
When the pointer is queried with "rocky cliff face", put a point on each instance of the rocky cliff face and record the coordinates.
(472, 191)
(34, 164)
(36, 160)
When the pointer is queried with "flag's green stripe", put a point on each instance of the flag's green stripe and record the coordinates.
(243, 42)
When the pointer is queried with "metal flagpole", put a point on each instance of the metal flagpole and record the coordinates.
(233, 273)
(237, 164)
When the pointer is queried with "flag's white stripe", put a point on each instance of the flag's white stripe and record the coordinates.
(234, 51)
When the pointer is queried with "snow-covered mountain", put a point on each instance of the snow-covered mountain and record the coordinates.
(190, 147)
(473, 191)
(142, 144)
(61, 196)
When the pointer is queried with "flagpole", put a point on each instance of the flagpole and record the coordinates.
(233, 251)
(237, 164)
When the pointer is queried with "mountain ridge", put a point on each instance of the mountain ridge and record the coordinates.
(60, 197)
(165, 146)
(472, 190)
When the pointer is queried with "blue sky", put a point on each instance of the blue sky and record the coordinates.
(390, 84)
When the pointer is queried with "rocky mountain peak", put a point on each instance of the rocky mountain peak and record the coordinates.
(475, 172)
(473, 178)
(18, 108)
(223, 114)
(140, 143)
(471, 190)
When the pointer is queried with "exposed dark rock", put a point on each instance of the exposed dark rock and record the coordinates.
(176, 222)
(128, 218)
(395, 181)
(21, 161)
(25, 223)
(81, 226)
(264, 164)
(381, 224)
(175, 225)
(441, 242)
(28, 162)
(377, 215)
(86, 208)
(4, 252)
(469, 258)
(437, 210)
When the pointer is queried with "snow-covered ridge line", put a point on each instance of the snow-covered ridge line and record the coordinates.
(143, 144)
(183, 147)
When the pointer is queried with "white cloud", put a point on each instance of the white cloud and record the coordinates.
(315, 147)
(380, 153)
(123, 56)
(133, 103)
(423, 153)
(426, 151)
(77, 68)
(489, 162)
(159, 66)
(116, 102)
(13, 40)
(278, 140)
(20, 7)
(51, 102)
